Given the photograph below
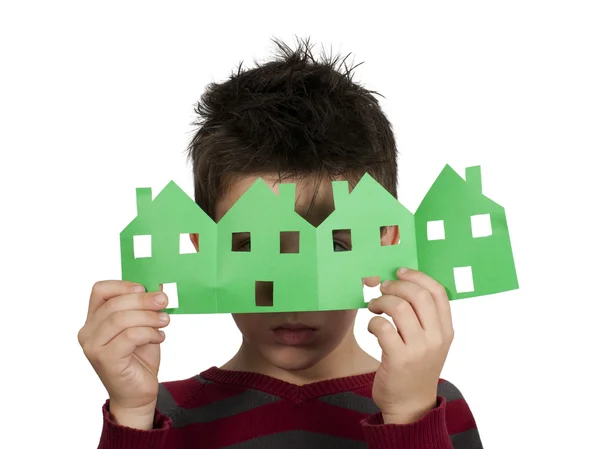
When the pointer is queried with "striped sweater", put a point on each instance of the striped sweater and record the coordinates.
(239, 410)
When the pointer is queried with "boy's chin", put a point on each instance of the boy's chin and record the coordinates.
(294, 359)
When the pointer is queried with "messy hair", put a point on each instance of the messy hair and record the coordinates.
(296, 115)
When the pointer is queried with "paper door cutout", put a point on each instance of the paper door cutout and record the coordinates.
(458, 236)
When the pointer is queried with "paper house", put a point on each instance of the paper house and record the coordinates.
(151, 247)
(363, 212)
(462, 237)
(279, 272)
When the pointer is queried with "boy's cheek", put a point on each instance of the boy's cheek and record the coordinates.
(247, 322)
(256, 327)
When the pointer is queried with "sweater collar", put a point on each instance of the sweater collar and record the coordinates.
(287, 390)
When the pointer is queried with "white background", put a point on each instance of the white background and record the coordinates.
(96, 99)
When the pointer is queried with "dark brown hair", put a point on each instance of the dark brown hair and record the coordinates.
(296, 115)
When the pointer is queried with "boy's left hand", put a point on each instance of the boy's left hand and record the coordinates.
(413, 353)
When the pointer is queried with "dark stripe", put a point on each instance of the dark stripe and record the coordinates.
(351, 401)
(223, 408)
(299, 439)
(165, 402)
(449, 391)
(202, 380)
(468, 439)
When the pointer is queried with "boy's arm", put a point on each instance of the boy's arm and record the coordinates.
(116, 436)
(450, 425)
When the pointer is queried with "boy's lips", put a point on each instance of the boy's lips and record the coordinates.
(294, 326)
(294, 334)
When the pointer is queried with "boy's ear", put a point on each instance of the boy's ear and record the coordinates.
(194, 239)
(390, 236)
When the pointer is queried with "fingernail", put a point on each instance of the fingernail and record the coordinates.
(384, 284)
(139, 289)
(163, 317)
(402, 270)
(160, 299)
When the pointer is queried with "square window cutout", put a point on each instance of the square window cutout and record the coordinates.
(170, 289)
(342, 240)
(142, 246)
(481, 225)
(463, 279)
(289, 242)
(263, 293)
(185, 244)
(241, 242)
(370, 293)
(435, 230)
(390, 229)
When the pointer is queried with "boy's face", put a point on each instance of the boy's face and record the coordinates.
(296, 340)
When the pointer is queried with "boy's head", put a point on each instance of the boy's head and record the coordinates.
(297, 119)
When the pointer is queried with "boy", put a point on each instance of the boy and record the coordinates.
(299, 380)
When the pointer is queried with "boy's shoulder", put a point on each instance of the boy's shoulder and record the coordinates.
(197, 392)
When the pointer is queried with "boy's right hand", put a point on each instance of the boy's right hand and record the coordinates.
(121, 339)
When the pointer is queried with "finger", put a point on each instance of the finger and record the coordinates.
(419, 298)
(137, 301)
(403, 315)
(102, 291)
(389, 340)
(438, 292)
(118, 322)
(131, 338)
(371, 281)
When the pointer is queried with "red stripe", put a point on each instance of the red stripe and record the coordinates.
(367, 391)
(459, 417)
(282, 416)
(313, 416)
(214, 392)
(181, 390)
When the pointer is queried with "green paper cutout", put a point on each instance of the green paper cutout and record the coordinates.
(454, 200)
(217, 279)
(171, 214)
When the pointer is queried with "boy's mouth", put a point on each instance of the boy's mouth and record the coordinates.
(294, 334)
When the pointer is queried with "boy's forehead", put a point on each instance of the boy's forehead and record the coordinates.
(314, 196)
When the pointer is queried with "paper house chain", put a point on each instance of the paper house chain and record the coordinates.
(263, 256)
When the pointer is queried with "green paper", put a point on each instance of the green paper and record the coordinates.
(455, 200)
(220, 279)
(171, 214)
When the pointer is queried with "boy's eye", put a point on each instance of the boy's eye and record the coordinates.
(244, 246)
(339, 246)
